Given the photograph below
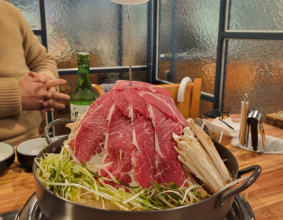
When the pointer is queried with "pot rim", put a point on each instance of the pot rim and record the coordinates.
(120, 211)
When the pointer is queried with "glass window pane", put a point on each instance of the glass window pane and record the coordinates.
(30, 10)
(205, 106)
(254, 67)
(255, 15)
(107, 78)
(138, 16)
(39, 38)
(96, 26)
(188, 41)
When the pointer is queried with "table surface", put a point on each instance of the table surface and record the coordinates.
(265, 195)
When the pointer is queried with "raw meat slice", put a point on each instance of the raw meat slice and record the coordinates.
(137, 103)
(90, 137)
(171, 102)
(94, 106)
(136, 85)
(120, 102)
(131, 128)
(144, 157)
(169, 168)
(120, 147)
(143, 139)
(90, 110)
(107, 103)
(164, 104)
(123, 84)
(159, 103)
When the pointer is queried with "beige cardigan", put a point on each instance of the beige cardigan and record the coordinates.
(20, 52)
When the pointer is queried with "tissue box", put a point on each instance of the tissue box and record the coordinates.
(275, 119)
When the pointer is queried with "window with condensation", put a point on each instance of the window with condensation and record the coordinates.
(96, 26)
(233, 45)
(187, 43)
(250, 57)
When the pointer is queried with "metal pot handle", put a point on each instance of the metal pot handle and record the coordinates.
(243, 186)
(57, 121)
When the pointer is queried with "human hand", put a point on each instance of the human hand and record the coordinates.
(34, 94)
(50, 104)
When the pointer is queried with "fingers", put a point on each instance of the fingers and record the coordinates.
(51, 92)
(61, 96)
(39, 77)
(33, 74)
(58, 106)
(48, 103)
(43, 79)
(54, 83)
(51, 105)
(56, 95)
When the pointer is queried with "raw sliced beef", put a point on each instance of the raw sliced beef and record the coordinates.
(137, 103)
(119, 146)
(169, 169)
(90, 137)
(129, 131)
(144, 156)
(170, 102)
(159, 103)
(123, 85)
(120, 102)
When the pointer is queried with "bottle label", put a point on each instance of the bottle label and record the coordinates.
(77, 110)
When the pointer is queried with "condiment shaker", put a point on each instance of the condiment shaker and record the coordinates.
(243, 118)
(254, 122)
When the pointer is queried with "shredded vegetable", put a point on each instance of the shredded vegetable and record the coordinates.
(65, 178)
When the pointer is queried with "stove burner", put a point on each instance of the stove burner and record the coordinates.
(240, 210)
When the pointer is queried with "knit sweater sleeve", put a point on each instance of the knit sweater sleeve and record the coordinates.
(37, 59)
(10, 100)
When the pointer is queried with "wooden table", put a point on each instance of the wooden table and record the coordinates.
(265, 196)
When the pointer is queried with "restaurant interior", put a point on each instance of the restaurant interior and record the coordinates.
(234, 46)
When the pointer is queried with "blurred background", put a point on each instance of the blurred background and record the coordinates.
(184, 40)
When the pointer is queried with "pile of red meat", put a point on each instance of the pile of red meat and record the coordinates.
(132, 127)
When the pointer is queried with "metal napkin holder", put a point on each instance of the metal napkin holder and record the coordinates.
(254, 123)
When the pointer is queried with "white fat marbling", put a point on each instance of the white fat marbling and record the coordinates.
(97, 158)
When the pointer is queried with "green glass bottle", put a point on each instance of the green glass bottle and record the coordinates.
(84, 95)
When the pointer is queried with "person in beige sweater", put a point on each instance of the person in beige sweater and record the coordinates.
(28, 78)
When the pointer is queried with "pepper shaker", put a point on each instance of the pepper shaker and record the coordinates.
(243, 120)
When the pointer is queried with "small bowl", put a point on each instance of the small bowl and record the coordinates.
(28, 150)
(7, 156)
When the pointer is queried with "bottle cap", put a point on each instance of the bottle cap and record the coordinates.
(83, 57)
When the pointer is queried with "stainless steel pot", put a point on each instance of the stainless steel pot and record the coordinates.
(213, 208)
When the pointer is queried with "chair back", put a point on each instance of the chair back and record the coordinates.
(189, 108)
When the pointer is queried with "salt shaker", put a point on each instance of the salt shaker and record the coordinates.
(243, 119)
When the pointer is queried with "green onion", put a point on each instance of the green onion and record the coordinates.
(65, 178)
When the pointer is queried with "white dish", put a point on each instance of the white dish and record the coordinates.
(6, 151)
(33, 147)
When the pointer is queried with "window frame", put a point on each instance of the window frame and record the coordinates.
(152, 67)
(96, 70)
(155, 67)
(224, 35)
